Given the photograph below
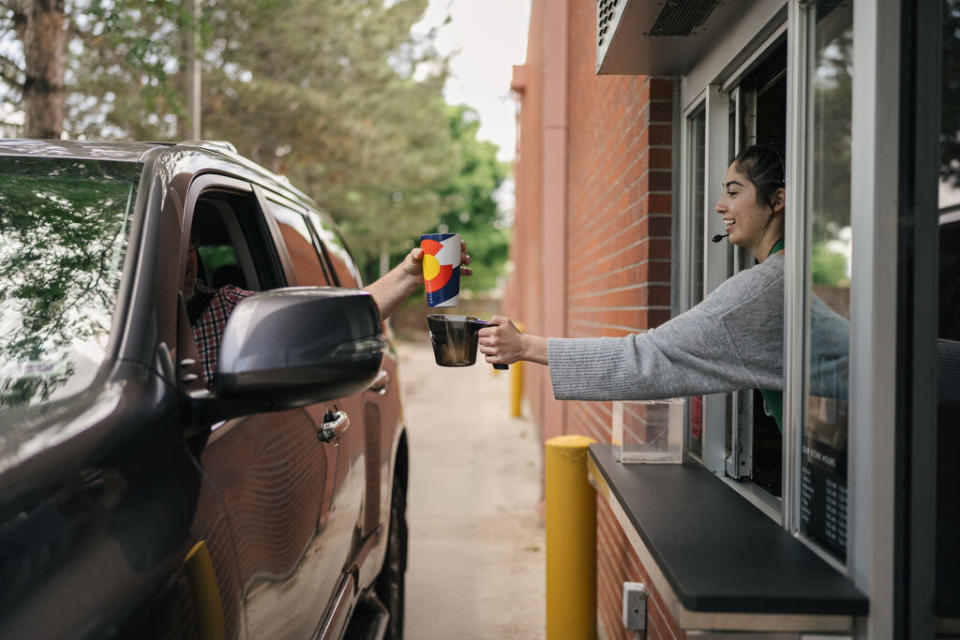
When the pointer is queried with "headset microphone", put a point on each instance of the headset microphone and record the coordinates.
(719, 237)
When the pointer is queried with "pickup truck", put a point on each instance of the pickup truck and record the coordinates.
(147, 487)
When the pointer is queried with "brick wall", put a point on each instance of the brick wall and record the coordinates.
(618, 563)
(521, 299)
(618, 220)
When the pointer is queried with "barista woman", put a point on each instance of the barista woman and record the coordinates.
(732, 340)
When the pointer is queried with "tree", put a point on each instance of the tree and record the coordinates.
(137, 43)
(470, 208)
(474, 212)
(336, 94)
(126, 67)
(35, 76)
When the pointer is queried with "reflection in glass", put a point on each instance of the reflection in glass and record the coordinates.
(823, 497)
(343, 262)
(949, 195)
(947, 596)
(299, 242)
(63, 235)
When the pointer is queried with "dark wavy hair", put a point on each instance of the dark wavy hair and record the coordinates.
(762, 164)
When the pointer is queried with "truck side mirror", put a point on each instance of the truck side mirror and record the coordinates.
(291, 347)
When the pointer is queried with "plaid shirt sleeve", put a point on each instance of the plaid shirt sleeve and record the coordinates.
(208, 329)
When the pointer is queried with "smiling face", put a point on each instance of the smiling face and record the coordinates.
(750, 223)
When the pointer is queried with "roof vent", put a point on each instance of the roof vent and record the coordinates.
(682, 17)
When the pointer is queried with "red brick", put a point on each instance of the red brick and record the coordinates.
(661, 88)
(661, 133)
(660, 202)
(657, 226)
(660, 158)
(659, 180)
(661, 111)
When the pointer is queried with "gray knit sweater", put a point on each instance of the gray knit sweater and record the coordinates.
(732, 340)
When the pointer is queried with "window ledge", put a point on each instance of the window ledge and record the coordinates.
(717, 562)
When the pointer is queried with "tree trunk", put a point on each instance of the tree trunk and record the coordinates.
(43, 34)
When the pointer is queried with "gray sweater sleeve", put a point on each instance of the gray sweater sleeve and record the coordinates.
(732, 340)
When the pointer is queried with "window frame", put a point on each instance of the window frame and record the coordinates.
(278, 271)
(875, 178)
(687, 284)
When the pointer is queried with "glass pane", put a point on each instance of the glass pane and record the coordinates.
(948, 413)
(303, 253)
(950, 109)
(340, 257)
(823, 495)
(63, 235)
(698, 147)
(761, 108)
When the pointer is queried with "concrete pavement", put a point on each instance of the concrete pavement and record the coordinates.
(476, 563)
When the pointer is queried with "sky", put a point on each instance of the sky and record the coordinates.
(487, 37)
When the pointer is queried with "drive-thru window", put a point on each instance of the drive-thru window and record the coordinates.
(845, 520)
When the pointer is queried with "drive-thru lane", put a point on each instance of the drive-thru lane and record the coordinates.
(476, 564)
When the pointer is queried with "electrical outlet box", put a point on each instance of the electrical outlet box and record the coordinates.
(634, 606)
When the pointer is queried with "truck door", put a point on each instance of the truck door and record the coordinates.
(269, 470)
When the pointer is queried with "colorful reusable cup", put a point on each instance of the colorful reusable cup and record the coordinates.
(441, 268)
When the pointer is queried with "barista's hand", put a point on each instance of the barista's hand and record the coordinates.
(412, 265)
(502, 343)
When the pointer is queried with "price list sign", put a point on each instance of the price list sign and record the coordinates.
(823, 496)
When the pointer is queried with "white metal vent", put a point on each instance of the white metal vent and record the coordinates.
(682, 17)
(660, 37)
(605, 11)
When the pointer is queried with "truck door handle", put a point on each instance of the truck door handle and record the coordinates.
(381, 382)
(334, 425)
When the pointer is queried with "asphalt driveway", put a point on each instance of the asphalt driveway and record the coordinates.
(476, 564)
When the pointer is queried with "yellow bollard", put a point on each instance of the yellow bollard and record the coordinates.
(571, 523)
(516, 389)
(206, 593)
(516, 385)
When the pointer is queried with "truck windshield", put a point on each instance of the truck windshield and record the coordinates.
(63, 235)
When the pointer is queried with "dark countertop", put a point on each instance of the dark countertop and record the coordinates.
(718, 552)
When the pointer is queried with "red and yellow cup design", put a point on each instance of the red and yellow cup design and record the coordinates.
(441, 268)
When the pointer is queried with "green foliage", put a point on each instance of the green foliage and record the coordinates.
(212, 257)
(336, 94)
(469, 205)
(833, 102)
(833, 96)
(474, 213)
(828, 267)
(125, 73)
